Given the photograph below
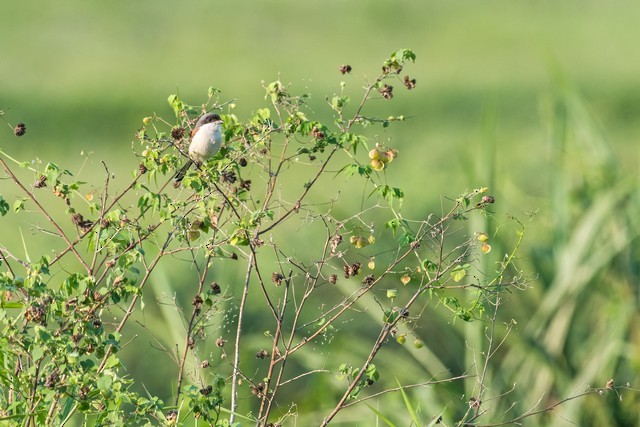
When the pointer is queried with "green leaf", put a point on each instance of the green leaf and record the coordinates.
(37, 352)
(176, 104)
(404, 55)
(112, 361)
(4, 206)
(458, 273)
(18, 205)
(105, 382)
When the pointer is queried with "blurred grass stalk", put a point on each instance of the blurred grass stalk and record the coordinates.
(585, 308)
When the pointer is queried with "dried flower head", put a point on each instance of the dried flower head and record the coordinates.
(177, 133)
(20, 129)
(409, 83)
(386, 91)
(344, 69)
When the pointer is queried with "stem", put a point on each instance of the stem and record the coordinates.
(189, 331)
(236, 350)
(45, 213)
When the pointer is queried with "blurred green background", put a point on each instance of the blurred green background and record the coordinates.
(539, 100)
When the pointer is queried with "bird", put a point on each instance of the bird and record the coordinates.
(206, 140)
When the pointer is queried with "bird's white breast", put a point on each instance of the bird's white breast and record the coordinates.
(206, 142)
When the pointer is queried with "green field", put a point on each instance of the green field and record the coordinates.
(538, 100)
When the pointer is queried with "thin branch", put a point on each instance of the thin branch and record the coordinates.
(45, 213)
(236, 350)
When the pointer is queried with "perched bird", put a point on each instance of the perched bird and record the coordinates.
(206, 139)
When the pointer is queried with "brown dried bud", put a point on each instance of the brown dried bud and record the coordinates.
(77, 219)
(368, 280)
(142, 169)
(96, 323)
(485, 200)
(220, 342)
(82, 394)
(206, 391)
(36, 313)
(229, 176)
(475, 403)
(344, 69)
(215, 288)
(386, 91)
(333, 279)
(177, 133)
(277, 278)
(191, 343)
(262, 354)
(242, 162)
(20, 129)
(52, 379)
(245, 184)
(347, 271)
(197, 301)
(335, 241)
(354, 269)
(317, 133)
(234, 256)
(488, 199)
(41, 182)
(105, 223)
(257, 389)
(409, 83)
(204, 364)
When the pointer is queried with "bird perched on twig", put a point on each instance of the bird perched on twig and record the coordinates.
(206, 140)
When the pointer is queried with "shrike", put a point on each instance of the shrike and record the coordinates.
(206, 139)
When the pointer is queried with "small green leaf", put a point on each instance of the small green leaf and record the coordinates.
(112, 361)
(4, 206)
(37, 352)
(176, 104)
(105, 382)
(18, 205)
(458, 273)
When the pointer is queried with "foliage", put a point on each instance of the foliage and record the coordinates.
(277, 172)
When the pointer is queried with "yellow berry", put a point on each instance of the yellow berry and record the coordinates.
(377, 164)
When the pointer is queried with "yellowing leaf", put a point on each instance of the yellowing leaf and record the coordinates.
(458, 273)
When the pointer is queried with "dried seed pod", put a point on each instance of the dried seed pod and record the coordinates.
(345, 69)
(20, 129)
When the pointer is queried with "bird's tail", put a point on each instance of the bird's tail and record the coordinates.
(181, 173)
